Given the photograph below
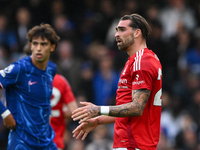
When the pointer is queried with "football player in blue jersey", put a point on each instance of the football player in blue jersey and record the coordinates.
(28, 86)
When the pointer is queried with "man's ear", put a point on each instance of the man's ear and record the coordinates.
(30, 44)
(137, 33)
(53, 47)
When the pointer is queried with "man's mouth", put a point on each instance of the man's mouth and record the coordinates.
(118, 41)
(38, 55)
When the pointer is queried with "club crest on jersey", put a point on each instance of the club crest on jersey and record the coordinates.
(9, 68)
(137, 82)
(137, 76)
(3, 74)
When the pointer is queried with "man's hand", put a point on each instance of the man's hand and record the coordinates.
(86, 112)
(10, 122)
(84, 128)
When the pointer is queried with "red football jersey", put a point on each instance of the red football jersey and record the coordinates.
(142, 71)
(62, 94)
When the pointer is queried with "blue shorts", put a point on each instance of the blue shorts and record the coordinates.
(15, 142)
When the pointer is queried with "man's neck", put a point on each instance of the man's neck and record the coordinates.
(136, 47)
(39, 65)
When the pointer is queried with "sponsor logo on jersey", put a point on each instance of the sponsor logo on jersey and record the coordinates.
(9, 68)
(31, 83)
(122, 87)
(122, 80)
(138, 82)
(3, 74)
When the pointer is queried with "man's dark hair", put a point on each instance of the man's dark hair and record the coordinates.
(138, 22)
(43, 31)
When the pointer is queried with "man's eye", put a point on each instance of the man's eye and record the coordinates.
(44, 44)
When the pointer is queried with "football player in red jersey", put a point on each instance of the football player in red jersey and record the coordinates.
(139, 95)
(62, 95)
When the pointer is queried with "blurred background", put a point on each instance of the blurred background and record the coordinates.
(88, 57)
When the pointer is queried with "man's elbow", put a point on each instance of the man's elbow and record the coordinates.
(138, 113)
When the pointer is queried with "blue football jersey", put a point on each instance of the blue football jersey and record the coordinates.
(28, 94)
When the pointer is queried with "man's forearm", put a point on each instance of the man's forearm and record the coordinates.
(134, 108)
(105, 119)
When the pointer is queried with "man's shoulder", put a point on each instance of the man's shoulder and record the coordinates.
(52, 67)
(23, 61)
(144, 59)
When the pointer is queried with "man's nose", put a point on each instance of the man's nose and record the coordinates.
(116, 34)
(38, 47)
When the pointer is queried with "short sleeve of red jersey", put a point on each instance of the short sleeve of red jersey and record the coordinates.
(67, 94)
(143, 72)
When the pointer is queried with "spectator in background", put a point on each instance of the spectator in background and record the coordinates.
(23, 24)
(155, 42)
(189, 65)
(169, 120)
(178, 45)
(64, 26)
(88, 22)
(69, 65)
(76, 145)
(190, 62)
(152, 13)
(95, 52)
(105, 82)
(177, 14)
(194, 106)
(8, 37)
(57, 8)
(187, 139)
(100, 139)
(86, 78)
(4, 58)
(105, 18)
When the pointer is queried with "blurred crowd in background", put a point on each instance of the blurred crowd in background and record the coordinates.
(88, 57)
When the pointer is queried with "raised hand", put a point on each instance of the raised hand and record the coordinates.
(86, 112)
(84, 128)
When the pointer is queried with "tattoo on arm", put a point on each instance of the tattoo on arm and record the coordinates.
(93, 111)
(134, 108)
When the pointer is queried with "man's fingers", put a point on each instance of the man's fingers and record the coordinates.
(11, 127)
(85, 103)
(84, 136)
(77, 128)
(80, 134)
(79, 116)
(84, 119)
(75, 134)
(78, 110)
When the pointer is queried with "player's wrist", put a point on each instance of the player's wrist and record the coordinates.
(104, 110)
(5, 114)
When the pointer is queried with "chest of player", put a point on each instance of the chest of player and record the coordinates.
(125, 81)
(124, 91)
(36, 86)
